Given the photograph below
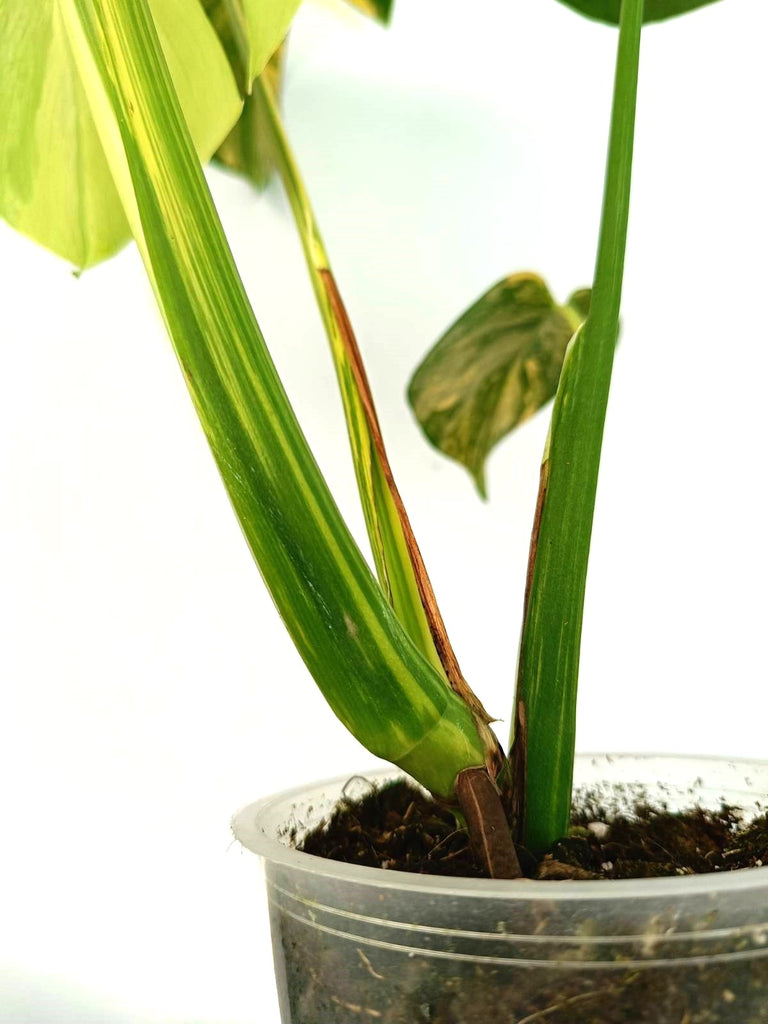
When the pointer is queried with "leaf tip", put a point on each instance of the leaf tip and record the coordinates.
(478, 475)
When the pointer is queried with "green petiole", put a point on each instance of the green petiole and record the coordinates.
(374, 678)
(545, 708)
(399, 565)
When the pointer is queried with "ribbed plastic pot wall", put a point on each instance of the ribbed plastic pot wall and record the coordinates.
(357, 945)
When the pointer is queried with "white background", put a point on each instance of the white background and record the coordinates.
(148, 687)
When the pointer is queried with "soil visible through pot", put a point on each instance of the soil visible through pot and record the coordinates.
(396, 827)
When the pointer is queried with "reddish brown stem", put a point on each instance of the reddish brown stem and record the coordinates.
(489, 831)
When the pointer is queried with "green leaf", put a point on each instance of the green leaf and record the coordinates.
(543, 738)
(251, 32)
(655, 10)
(399, 564)
(494, 368)
(381, 10)
(55, 185)
(247, 148)
(261, 26)
(373, 676)
(228, 21)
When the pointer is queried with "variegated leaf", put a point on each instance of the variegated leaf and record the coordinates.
(494, 368)
(55, 185)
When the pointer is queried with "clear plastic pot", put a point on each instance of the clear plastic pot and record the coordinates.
(358, 945)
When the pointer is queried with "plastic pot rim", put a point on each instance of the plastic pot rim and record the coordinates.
(249, 830)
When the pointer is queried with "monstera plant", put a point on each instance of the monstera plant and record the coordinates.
(110, 108)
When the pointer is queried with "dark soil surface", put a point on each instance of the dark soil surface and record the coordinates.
(399, 828)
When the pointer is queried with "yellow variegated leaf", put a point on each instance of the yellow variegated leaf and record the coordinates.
(55, 185)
